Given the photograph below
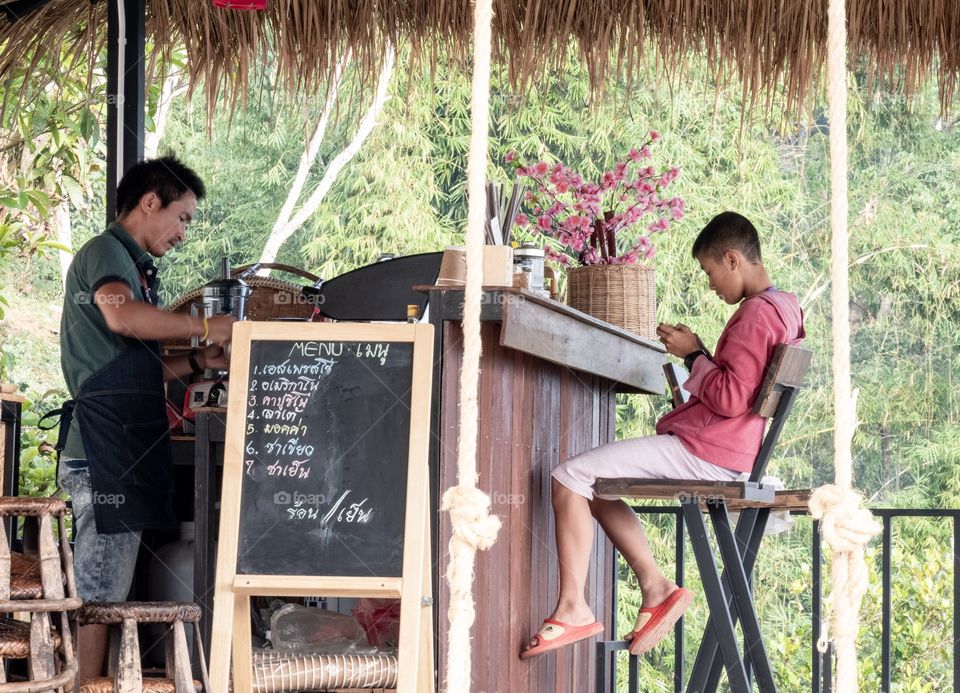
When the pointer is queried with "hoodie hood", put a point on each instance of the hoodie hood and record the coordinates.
(788, 309)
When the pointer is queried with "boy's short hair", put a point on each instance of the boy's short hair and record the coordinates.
(728, 231)
(167, 177)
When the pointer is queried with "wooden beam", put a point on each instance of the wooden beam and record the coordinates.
(564, 339)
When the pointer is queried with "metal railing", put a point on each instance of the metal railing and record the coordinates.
(821, 664)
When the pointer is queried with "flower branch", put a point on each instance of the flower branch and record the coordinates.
(583, 222)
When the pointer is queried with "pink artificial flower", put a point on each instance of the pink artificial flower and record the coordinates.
(511, 155)
(677, 208)
(654, 135)
(566, 208)
(556, 208)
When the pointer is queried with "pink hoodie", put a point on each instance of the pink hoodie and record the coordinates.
(717, 424)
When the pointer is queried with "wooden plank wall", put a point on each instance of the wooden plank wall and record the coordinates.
(534, 415)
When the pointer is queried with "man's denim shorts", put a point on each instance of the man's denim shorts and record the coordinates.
(103, 563)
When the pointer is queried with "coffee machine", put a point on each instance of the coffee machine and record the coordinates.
(226, 295)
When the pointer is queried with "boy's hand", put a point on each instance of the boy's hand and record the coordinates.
(678, 339)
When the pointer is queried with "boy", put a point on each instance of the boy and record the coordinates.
(714, 436)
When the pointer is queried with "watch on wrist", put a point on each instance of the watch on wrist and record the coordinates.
(691, 357)
(194, 365)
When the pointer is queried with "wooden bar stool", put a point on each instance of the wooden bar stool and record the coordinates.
(124, 672)
(730, 594)
(39, 583)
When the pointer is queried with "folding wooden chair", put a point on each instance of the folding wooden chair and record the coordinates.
(729, 596)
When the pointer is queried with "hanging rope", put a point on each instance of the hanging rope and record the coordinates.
(472, 525)
(846, 525)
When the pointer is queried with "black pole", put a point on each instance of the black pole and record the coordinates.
(956, 603)
(885, 602)
(126, 84)
(817, 598)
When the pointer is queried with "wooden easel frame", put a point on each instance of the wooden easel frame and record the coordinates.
(232, 592)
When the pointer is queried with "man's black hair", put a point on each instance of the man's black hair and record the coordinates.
(728, 231)
(167, 177)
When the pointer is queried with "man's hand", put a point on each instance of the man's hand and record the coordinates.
(213, 357)
(220, 329)
(678, 339)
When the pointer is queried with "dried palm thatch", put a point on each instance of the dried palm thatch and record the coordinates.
(769, 44)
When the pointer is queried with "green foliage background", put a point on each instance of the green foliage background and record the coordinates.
(404, 193)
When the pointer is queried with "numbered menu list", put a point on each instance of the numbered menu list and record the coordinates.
(326, 437)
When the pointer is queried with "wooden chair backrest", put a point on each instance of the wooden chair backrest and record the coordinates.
(784, 378)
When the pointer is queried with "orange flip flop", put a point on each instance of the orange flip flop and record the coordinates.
(654, 623)
(554, 634)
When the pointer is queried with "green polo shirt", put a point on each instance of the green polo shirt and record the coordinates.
(86, 343)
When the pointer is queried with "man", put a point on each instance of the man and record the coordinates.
(116, 460)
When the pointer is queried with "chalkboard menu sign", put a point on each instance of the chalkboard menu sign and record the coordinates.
(325, 482)
(325, 458)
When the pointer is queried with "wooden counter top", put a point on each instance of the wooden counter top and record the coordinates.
(560, 334)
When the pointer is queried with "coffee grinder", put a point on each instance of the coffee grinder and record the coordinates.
(225, 295)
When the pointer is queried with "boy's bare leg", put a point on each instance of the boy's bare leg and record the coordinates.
(573, 518)
(574, 529)
(623, 527)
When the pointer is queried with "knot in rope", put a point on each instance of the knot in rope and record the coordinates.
(847, 526)
(470, 517)
(845, 523)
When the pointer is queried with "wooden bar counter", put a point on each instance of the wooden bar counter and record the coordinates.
(548, 382)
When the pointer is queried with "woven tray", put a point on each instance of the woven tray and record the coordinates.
(277, 672)
(623, 295)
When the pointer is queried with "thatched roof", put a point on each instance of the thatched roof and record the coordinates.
(768, 43)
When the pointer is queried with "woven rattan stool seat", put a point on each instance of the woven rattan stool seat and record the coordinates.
(40, 584)
(141, 612)
(15, 639)
(104, 684)
(25, 579)
(25, 506)
(125, 674)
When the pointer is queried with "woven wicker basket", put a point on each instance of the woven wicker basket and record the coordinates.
(270, 299)
(276, 672)
(623, 295)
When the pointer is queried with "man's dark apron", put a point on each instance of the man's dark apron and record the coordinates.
(122, 413)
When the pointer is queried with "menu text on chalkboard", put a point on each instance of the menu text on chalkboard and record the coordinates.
(325, 456)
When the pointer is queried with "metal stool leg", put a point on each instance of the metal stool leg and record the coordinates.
(705, 675)
(740, 585)
(716, 597)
